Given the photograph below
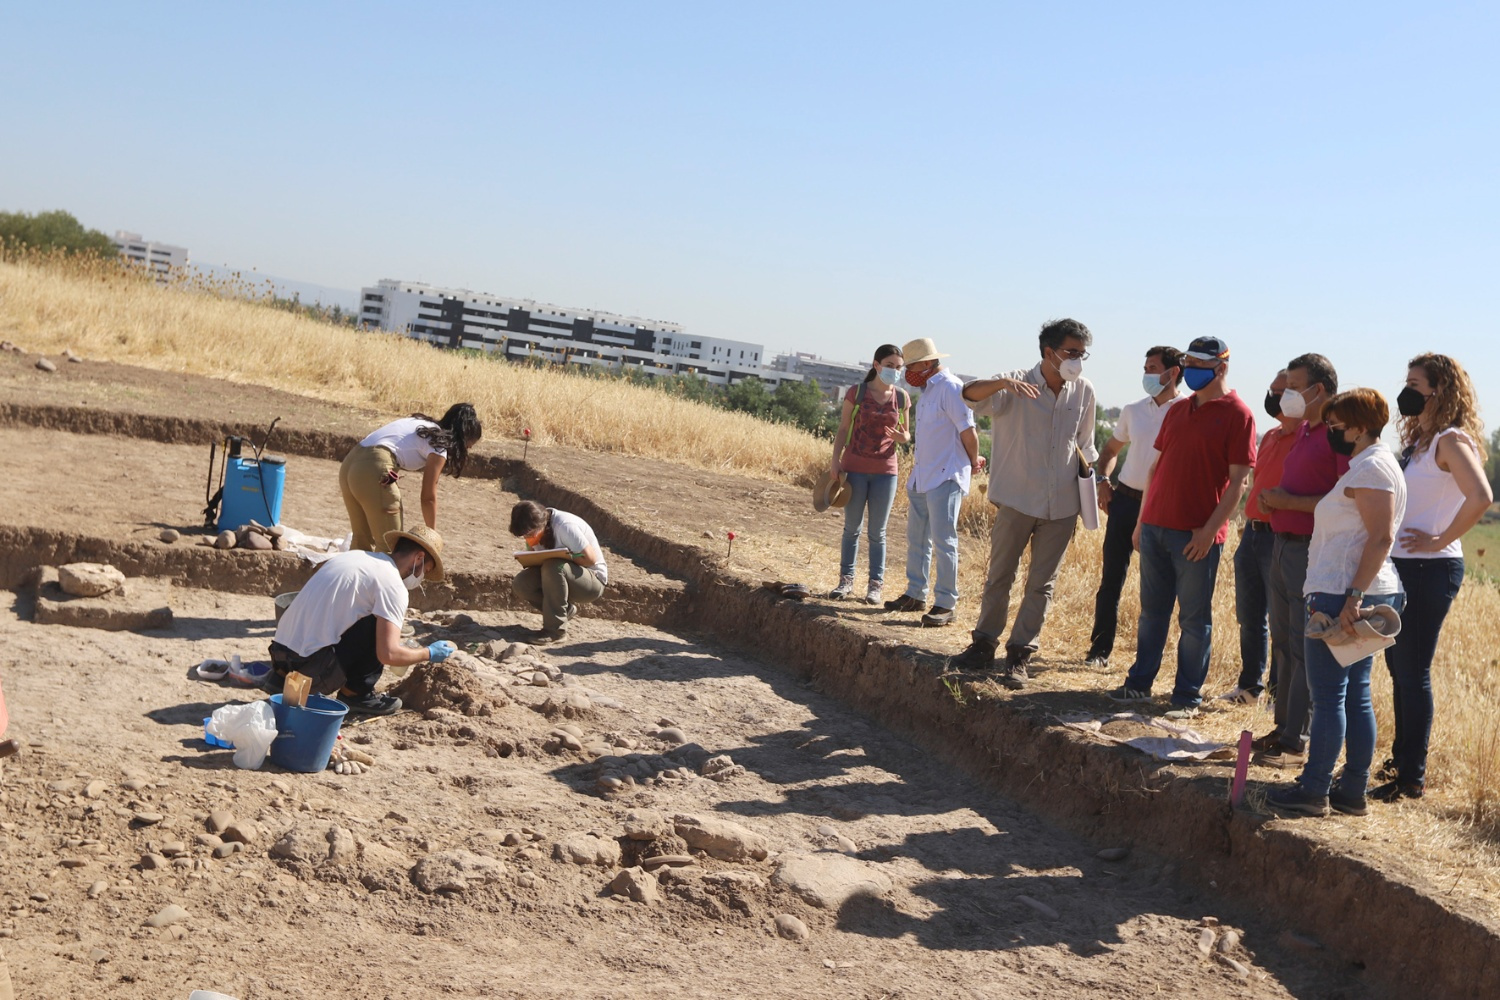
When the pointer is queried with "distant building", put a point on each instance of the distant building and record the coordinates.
(163, 258)
(833, 376)
(523, 328)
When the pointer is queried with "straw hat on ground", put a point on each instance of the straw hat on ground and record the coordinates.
(430, 540)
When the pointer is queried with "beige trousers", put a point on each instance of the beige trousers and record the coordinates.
(552, 586)
(374, 507)
(1013, 533)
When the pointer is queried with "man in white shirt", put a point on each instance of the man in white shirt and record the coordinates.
(344, 627)
(1042, 432)
(1139, 421)
(947, 453)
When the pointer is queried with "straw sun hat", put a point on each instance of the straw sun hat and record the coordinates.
(430, 540)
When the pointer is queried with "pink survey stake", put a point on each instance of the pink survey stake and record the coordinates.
(1241, 765)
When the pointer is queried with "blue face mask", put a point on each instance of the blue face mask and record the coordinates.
(1152, 384)
(890, 376)
(1197, 378)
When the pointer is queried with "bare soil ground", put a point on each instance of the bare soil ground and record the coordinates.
(117, 708)
(112, 726)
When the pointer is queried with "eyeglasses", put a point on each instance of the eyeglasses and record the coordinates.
(1073, 354)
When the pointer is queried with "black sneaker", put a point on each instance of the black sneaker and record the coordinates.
(373, 703)
(1295, 799)
(1394, 791)
(938, 617)
(905, 602)
(544, 637)
(1348, 803)
(979, 656)
(1014, 675)
(1270, 741)
(1387, 771)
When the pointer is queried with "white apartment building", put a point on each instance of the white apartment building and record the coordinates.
(159, 257)
(524, 328)
(833, 376)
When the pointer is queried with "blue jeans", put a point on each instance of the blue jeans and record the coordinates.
(1169, 577)
(1252, 604)
(932, 525)
(1430, 585)
(878, 492)
(1343, 717)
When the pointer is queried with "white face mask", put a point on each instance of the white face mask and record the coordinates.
(1152, 384)
(1070, 369)
(890, 376)
(414, 580)
(1293, 405)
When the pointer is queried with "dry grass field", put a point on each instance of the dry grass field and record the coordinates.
(99, 311)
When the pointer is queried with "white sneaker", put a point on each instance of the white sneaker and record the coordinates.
(843, 590)
(1239, 696)
(873, 594)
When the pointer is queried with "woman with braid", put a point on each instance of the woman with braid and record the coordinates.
(417, 443)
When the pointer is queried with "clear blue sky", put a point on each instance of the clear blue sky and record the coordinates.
(814, 176)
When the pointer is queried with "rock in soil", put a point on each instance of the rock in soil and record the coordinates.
(829, 880)
(455, 871)
(636, 883)
(45, 365)
(792, 928)
(167, 916)
(720, 838)
(89, 579)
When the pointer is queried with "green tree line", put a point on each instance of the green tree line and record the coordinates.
(47, 231)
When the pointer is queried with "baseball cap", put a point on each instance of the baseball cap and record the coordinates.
(1208, 349)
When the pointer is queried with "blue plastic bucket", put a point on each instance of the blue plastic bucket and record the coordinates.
(305, 736)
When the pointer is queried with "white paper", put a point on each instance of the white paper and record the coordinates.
(1088, 500)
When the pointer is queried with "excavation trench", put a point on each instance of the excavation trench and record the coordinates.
(1403, 935)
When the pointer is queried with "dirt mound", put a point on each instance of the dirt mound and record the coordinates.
(462, 683)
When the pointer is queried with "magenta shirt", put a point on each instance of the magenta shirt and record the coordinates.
(1310, 469)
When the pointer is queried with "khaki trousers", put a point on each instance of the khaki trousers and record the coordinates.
(374, 508)
(554, 585)
(1013, 532)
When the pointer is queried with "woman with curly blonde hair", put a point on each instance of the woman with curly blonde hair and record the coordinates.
(1443, 459)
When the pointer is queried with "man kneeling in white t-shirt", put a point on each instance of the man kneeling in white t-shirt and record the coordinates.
(344, 627)
(556, 587)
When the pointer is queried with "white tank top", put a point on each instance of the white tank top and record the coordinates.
(1432, 500)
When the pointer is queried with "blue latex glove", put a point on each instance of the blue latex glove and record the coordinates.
(441, 650)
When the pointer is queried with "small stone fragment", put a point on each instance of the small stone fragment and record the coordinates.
(97, 955)
(220, 820)
(169, 535)
(243, 831)
(134, 784)
(45, 365)
(167, 916)
(1206, 941)
(792, 928)
(539, 679)
(95, 789)
(646, 824)
(1038, 906)
(173, 849)
(720, 838)
(672, 735)
(587, 849)
(209, 840)
(1113, 854)
(147, 818)
(455, 871)
(73, 862)
(1240, 968)
(39, 897)
(636, 883)
(1229, 942)
(669, 860)
(222, 851)
(97, 889)
(152, 861)
(225, 540)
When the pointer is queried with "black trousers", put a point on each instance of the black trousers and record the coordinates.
(1124, 512)
(349, 666)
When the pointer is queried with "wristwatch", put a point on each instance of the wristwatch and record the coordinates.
(1356, 593)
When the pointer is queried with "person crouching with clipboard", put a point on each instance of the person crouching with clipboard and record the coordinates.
(563, 566)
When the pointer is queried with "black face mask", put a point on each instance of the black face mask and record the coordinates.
(1338, 444)
(1273, 403)
(1410, 402)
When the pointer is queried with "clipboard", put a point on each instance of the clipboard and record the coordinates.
(1088, 494)
(535, 557)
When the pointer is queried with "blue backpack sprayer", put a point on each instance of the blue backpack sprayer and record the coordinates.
(250, 489)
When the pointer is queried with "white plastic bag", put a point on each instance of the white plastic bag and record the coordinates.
(250, 726)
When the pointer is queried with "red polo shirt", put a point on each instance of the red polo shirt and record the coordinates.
(1268, 460)
(1197, 444)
